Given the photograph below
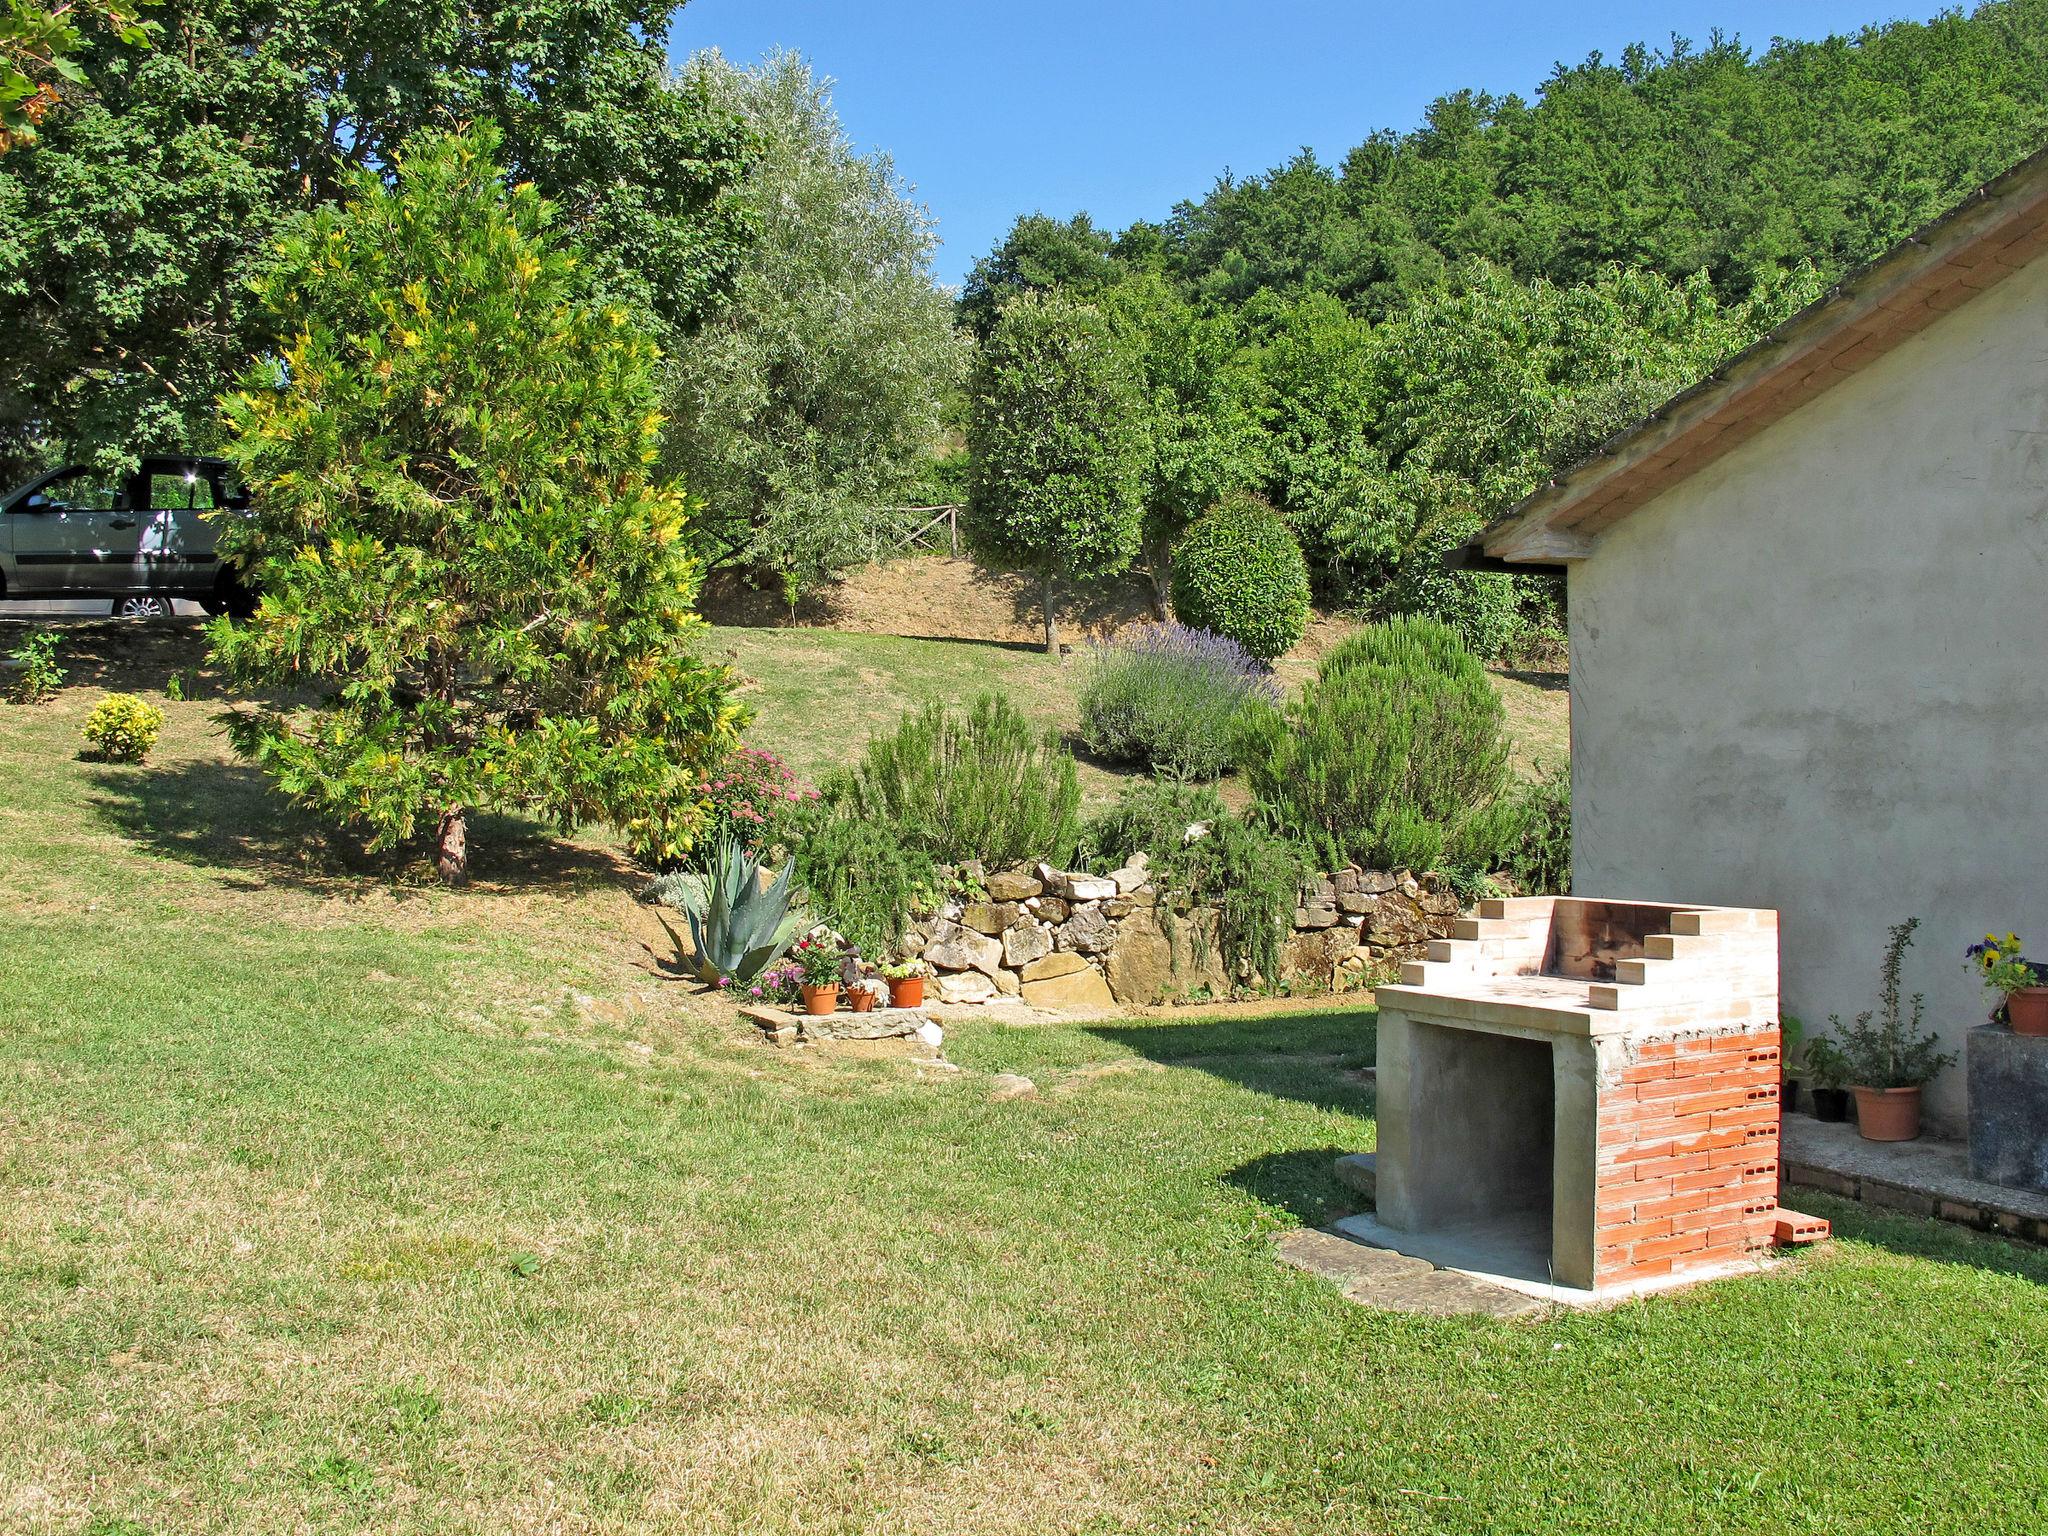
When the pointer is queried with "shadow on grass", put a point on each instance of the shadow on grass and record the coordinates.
(228, 817)
(1321, 1058)
(1304, 1184)
(1921, 1237)
(120, 655)
(1548, 681)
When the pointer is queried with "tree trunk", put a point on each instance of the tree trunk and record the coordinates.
(1052, 616)
(451, 846)
(1158, 564)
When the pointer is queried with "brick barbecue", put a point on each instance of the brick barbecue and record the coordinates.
(1590, 1090)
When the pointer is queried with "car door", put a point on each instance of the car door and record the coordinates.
(75, 533)
(177, 536)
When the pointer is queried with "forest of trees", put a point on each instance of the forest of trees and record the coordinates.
(1427, 330)
(1387, 349)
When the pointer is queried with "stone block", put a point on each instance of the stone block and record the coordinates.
(1051, 909)
(1375, 882)
(1315, 917)
(1049, 967)
(1089, 931)
(1017, 885)
(2008, 1108)
(1083, 988)
(989, 917)
(1140, 966)
(1355, 903)
(966, 987)
(1132, 875)
(1078, 888)
(1025, 943)
(954, 948)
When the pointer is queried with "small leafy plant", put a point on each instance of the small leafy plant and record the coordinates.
(122, 728)
(2003, 968)
(738, 926)
(750, 798)
(820, 961)
(1895, 1051)
(35, 659)
(901, 970)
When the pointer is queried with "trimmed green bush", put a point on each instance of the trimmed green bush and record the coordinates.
(122, 728)
(1239, 572)
(1537, 853)
(1393, 757)
(985, 784)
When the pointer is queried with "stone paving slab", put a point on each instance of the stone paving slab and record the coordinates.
(1928, 1177)
(1394, 1282)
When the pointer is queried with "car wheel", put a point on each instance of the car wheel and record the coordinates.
(145, 608)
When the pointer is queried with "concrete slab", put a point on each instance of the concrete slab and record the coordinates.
(1379, 1277)
(1514, 1257)
(1928, 1177)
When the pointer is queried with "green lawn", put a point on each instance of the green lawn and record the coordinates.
(820, 694)
(328, 1204)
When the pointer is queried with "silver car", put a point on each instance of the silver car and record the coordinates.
(139, 540)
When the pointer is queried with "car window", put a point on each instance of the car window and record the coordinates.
(188, 492)
(84, 490)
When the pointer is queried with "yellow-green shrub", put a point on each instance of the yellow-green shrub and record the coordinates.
(122, 728)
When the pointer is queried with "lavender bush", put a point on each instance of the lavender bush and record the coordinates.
(1165, 695)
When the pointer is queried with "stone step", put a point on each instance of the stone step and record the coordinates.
(1359, 1171)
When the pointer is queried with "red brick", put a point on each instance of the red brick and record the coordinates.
(1630, 1233)
(1674, 1247)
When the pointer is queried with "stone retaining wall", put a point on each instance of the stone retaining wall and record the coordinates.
(1062, 939)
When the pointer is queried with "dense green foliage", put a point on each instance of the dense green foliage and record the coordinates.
(1202, 402)
(130, 232)
(1168, 697)
(1061, 449)
(861, 878)
(1431, 328)
(38, 47)
(1535, 845)
(1251, 877)
(1239, 573)
(958, 785)
(812, 399)
(1896, 1050)
(456, 536)
(122, 728)
(1713, 160)
(1392, 757)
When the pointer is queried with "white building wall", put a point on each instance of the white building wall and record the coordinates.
(1815, 676)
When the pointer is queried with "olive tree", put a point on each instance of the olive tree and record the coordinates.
(1057, 429)
(459, 547)
(813, 398)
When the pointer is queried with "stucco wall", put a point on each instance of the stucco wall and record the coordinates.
(1815, 676)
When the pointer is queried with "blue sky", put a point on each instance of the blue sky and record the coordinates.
(1123, 107)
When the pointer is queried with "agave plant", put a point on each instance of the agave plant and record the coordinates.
(737, 926)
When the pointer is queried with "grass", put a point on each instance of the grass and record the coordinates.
(328, 1204)
(820, 694)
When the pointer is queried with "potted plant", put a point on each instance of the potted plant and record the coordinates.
(1828, 1069)
(865, 992)
(1892, 1060)
(906, 983)
(1791, 1034)
(817, 958)
(2019, 984)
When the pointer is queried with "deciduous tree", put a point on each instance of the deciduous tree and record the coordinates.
(813, 398)
(129, 237)
(1057, 427)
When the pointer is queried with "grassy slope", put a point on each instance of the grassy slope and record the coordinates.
(820, 694)
(276, 1148)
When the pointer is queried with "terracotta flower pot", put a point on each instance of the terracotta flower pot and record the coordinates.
(821, 999)
(906, 992)
(1888, 1114)
(860, 1000)
(2027, 1011)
